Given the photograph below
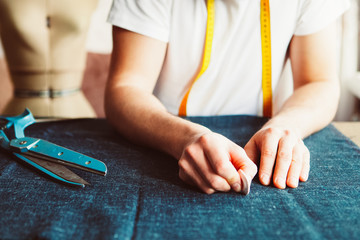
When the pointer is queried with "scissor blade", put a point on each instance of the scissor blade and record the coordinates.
(59, 170)
(45, 150)
(29, 160)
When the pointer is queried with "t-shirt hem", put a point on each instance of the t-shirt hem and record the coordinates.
(139, 27)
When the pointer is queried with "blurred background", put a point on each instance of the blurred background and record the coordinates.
(98, 49)
(99, 46)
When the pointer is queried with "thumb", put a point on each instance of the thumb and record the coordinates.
(240, 160)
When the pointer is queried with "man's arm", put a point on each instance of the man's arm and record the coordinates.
(206, 159)
(278, 145)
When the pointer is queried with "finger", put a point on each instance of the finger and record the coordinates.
(192, 177)
(268, 155)
(240, 160)
(246, 168)
(283, 160)
(198, 161)
(185, 178)
(304, 175)
(213, 180)
(219, 160)
(189, 180)
(252, 151)
(296, 166)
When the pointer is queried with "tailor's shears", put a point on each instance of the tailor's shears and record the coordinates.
(45, 156)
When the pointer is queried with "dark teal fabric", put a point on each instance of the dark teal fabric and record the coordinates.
(143, 198)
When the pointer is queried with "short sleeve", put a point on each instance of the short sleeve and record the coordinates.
(147, 17)
(315, 15)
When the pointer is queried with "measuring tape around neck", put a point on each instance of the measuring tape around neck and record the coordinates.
(207, 52)
(266, 55)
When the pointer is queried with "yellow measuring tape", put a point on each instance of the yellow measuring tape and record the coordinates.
(266, 55)
(207, 52)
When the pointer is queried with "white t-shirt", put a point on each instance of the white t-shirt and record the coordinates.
(232, 82)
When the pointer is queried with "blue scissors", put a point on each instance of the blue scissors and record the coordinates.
(45, 156)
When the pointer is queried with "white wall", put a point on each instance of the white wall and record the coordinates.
(349, 64)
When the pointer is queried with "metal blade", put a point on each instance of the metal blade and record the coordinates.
(59, 170)
(46, 171)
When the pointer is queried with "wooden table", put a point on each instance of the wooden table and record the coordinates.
(350, 130)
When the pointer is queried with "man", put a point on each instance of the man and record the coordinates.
(157, 55)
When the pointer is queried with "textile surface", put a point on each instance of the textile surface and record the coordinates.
(142, 196)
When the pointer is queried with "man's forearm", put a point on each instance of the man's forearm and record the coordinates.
(141, 118)
(309, 109)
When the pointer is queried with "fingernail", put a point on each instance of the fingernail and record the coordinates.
(304, 177)
(293, 182)
(236, 187)
(280, 182)
(265, 178)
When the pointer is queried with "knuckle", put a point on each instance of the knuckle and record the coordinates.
(190, 151)
(295, 160)
(268, 135)
(220, 167)
(204, 140)
(182, 163)
(215, 183)
(287, 132)
(270, 130)
(284, 155)
(266, 171)
(268, 153)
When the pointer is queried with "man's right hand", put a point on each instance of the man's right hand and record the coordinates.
(212, 163)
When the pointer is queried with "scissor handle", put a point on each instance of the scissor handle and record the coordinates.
(20, 122)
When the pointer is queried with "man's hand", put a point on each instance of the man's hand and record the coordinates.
(212, 163)
(282, 154)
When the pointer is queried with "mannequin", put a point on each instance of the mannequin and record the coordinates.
(44, 45)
